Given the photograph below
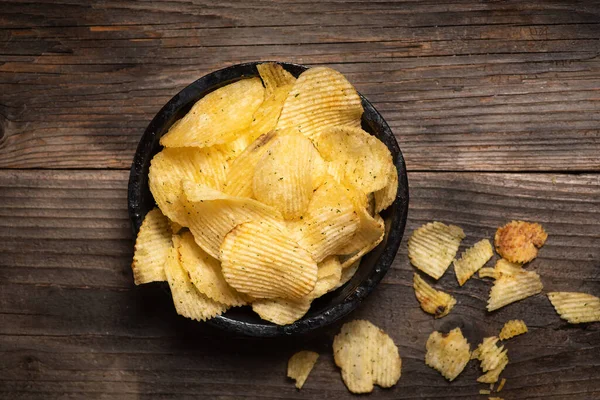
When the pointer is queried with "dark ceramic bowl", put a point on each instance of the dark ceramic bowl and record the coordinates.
(326, 309)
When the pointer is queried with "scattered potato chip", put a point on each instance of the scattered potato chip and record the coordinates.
(472, 260)
(300, 365)
(273, 76)
(504, 267)
(188, 301)
(519, 241)
(151, 248)
(263, 261)
(495, 398)
(448, 353)
(218, 117)
(432, 247)
(487, 273)
(386, 196)
(347, 273)
(281, 311)
(492, 375)
(484, 391)
(205, 273)
(432, 301)
(575, 307)
(320, 98)
(511, 287)
(366, 356)
(512, 328)
(501, 385)
(489, 354)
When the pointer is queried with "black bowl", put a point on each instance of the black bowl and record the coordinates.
(326, 309)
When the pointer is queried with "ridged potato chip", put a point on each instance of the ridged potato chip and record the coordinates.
(347, 273)
(265, 118)
(448, 353)
(218, 117)
(151, 248)
(188, 301)
(366, 356)
(432, 247)
(516, 286)
(320, 98)
(575, 307)
(300, 365)
(263, 261)
(432, 301)
(283, 176)
(386, 196)
(273, 76)
(512, 328)
(519, 241)
(281, 311)
(489, 353)
(328, 276)
(487, 272)
(205, 273)
(472, 259)
(212, 214)
(504, 267)
(492, 375)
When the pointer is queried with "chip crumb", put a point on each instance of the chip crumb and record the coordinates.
(492, 386)
(512, 328)
(495, 398)
(484, 391)
(300, 365)
(501, 385)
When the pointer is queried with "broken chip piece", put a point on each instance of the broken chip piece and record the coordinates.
(432, 301)
(518, 241)
(300, 365)
(432, 247)
(472, 260)
(575, 307)
(448, 353)
(512, 328)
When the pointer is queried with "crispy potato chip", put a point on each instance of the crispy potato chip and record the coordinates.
(492, 375)
(495, 398)
(512, 328)
(283, 177)
(386, 196)
(366, 356)
(432, 301)
(484, 391)
(273, 76)
(265, 118)
(501, 385)
(489, 353)
(320, 98)
(448, 353)
(281, 311)
(347, 273)
(576, 307)
(509, 288)
(188, 301)
(171, 166)
(519, 241)
(472, 259)
(487, 273)
(218, 117)
(504, 267)
(212, 214)
(328, 276)
(300, 365)
(151, 249)
(263, 261)
(432, 247)
(205, 273)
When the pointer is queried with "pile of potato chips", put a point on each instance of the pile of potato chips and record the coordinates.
(268, 195)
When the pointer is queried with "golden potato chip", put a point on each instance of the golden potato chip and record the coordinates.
(320, 98)
(218, 117)
(205, 273)
(504, 267)
(448, 353)
(512, 328)
(283, 176)
(212, 214)
(366, 356)
(328, 276)
(489, 353)
(263, 261)
(472, 260)
(492, 375)
(175, 227)
(151, 248)
(281, 311)
(487, 273)
(171, 166)
(495, 398)
(575, 307)
(347, 273)
(300, 365)
(386, 196)
(509, 288)
(265, 118)
(519, 241)
(432, 301)
(188, 301)
(432, 247)
(501, 385)
(273, 76)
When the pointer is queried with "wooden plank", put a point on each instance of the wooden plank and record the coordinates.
(487, 86)
(72, 324)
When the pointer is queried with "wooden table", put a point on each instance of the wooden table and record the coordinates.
(496, 106)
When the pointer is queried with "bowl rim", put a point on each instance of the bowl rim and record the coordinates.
(381, 265)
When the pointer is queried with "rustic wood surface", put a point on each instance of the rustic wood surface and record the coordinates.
(496, 108)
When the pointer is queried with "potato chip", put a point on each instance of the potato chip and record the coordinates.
(328, 276)
(171, 166)
(432, 247)
(492, 375)
(448, 353)
(151, 248)
(265, 118)
(487, 273)
(386, 196)
(575, 307)
(283, 176)
(300, 365)
(175, 227)
(366, 356)
(205, 273)
(504, 267)
(472, 260)
(432, 301)
(281, 311)
(188, 301)
(218, 117)
(263, 261)
(489, 353)
(501, 385)
(212, 214)
(273, 76)
(320, 98)
(495, 398)
(512, 328)
(484, 391)
(347, 273)
(519, 241)
(509, 288)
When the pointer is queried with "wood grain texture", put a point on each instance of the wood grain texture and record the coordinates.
(72, 324)
(488, 86)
